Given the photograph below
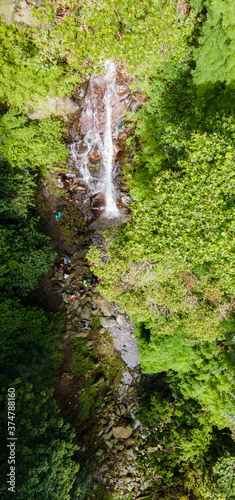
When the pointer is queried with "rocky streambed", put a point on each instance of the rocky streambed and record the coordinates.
(99, 373)
(115, 426)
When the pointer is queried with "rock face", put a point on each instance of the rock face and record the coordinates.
(98, 201)
(99, 135)
(122, 430)
(95, 99)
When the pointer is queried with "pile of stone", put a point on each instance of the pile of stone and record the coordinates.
(117, 429)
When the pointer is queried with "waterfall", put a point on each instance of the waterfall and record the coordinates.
(111, 207)
(96, 130)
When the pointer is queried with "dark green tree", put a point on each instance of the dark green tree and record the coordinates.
(45, 464)
(25, 255)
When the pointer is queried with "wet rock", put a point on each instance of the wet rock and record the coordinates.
(95, 156)
(122, 430)
(98, 201)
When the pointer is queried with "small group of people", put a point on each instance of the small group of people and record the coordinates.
(61, 178)
(65, 267)
(91, 281)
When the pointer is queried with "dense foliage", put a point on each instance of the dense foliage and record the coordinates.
(170, 267)
(45, 446)
(86, 33)
(46, 466)
(215, 61)
(27, 72)
(181, 449)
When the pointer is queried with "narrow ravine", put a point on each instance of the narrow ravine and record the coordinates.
(99, 376)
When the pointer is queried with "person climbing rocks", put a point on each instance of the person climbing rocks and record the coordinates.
(67, 271)
(95, 280)
(58, 215)
(59, 267)
(86, 282)
(86, 323)
(61, 178)
(73, 297)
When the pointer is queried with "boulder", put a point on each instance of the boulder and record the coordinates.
(95, 156)
(75, 304)
(104, 468)
(81, 334)
(98, 200)
(99, 453)
(109, 444)
(86, 312)
(146, 485)
(66, 297)
(107, 323)
(106, 307)
(122, 430)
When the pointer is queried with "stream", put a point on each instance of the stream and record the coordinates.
(97, 147)
(98, 134)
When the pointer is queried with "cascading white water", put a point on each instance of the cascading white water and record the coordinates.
(111, 207)
(96, 137)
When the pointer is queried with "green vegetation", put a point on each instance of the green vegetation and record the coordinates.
(215, 61)
(86, 33)
(181, 449)
(44, 445)
(28, 72)
(170, 268)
